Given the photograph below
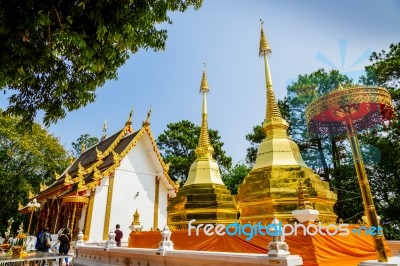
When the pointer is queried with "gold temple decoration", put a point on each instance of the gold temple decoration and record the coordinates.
(156, 202)
(30, 195)
(74, 200)
(116, 157)
(147, 121)
(167, 166)
(270, 188)
(81, 171)
(204, 196)
(304, 198)
(136, 216)
(177, 186)
(99, 154)
(108, 206)
(20, 206)
(68, 179)
(346, 110)
(88, 218)
(128, 123)
(96, 174)
(43, 187)
(81, 186)
(71, 160)
(56, 175)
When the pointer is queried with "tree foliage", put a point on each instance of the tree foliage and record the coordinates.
(54, 54)
(321, 153)
(384, 174)
(26, 160)
(85, 141)
(178, 143)
(235, 176)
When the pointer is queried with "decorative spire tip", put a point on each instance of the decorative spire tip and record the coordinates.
(264, 46)
(204, 84)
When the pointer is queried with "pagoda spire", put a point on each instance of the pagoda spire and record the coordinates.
(272, 109)
(204, 148)
(274, 125)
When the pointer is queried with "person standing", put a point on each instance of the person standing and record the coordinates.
(43, 240)
(118, 235)
(65, 239)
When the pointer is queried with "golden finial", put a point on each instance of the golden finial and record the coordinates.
(68, 179)
(96, 174)
(30, 195)
(42, 187)
(264, 46)
(303, 197)
(204, 84)
(128, 123)
(71, 160)
(83, 148)
(81, 186)
(167, 166)
(204, 147)
(56, 175)
(136, 216)
(91, 185)
(104, 136)
(116, 157)
(177, 186)
(99, 154)
(20, 206)
(147, 122)
(81, 170)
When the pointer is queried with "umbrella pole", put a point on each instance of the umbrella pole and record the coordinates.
(366, 191)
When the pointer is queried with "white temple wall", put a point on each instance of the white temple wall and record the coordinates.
(134, 188)
(99, 211)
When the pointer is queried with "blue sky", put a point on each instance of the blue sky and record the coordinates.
(224, 34)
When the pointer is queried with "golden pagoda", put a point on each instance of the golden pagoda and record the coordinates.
(270, 188)
(204, 196)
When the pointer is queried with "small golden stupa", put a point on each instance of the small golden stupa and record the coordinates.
(204, 196)
(270, 188)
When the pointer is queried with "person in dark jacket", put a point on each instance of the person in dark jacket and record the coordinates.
(65, 239)
(42, 239)
(118, 235)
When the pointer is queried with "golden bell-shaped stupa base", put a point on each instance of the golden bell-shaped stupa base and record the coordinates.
(207, 203)
(273, 191)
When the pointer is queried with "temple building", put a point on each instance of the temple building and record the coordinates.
(121, 174)
(270, 188)
(204, 196)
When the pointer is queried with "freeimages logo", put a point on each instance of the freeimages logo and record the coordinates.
(251, 230)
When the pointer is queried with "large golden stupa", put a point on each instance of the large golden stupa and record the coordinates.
(204, 196)
(270, 188)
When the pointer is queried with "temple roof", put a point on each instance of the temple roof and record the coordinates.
(102, 160)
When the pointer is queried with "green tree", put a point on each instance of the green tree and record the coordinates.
(319, 152)
(55, 54)
(178, 143)
(383, 174)
(234, 177)
(85, 141)
(26, 160)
